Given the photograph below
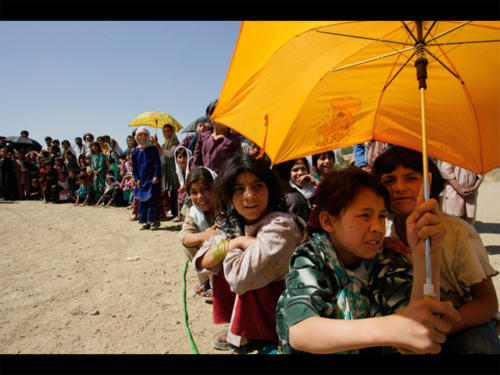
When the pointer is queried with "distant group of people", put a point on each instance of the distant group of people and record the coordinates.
(301, 256)
(97, 172)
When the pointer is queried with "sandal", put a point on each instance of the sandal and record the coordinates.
(146, 226)
(220, 343)
(156, 225)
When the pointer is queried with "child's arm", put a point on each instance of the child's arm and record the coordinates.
(482, 307)
(416, 328)
(99, 201)
(195, 239)
(312, 290)
(269, 252)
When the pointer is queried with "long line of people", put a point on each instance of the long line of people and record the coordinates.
(294, 257)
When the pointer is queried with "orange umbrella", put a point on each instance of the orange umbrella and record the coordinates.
(298, 88)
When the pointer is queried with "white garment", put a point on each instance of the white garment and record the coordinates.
(181, 175)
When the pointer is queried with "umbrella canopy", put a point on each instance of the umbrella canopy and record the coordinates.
(299, 88)
(156, 120)
(23, 143)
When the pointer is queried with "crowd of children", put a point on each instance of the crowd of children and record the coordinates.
(60, 173)
(302, 256)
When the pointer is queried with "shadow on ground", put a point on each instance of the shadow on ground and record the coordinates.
(493, 250)
(173, 228)
(487, 227)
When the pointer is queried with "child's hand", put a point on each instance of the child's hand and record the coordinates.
(425, 222)
(155, 180)
(212, 231)
(425, 323)
(396, 245)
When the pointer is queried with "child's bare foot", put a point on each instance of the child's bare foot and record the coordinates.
(133, 218)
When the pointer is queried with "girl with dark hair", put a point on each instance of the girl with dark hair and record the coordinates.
(170, 182)
(99, 168)
(199, 221)
(296, 202)
(70, 161)
(103, 145)
(341, 278)
(131, 144)
(323, 163)
(249, 255)
(301, 178)
(465, 272)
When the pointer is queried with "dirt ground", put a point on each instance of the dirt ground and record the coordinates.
(86, 280)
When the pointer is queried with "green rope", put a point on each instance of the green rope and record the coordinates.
(195, 351)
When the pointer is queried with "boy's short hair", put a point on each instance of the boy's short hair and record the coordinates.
(82, 176)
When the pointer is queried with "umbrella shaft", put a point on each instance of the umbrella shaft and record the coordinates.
(425, 172)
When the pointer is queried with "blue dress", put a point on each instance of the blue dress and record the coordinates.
(146, 165)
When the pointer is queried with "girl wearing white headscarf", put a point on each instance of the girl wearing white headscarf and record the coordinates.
(182, 157)
(146, 168)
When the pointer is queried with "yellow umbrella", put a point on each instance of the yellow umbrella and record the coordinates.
(156, 120)
(298, 88)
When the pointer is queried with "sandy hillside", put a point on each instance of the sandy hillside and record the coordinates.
(67, 285)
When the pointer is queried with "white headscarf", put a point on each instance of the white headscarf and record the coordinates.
(178, 169)
(117, 148)
(142, 129)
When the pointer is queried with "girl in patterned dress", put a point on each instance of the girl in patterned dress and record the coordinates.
(341, 278)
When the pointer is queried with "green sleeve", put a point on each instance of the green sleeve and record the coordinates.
(311, 289)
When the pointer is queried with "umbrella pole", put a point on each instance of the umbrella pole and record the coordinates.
(428, 286)
(421, 65)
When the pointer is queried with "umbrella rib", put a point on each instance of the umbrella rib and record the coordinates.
(444, 65)
(373, 59)
(464, 42)
(449, 31)
(399, 71)
(409, 31)
(430, 28)
(363, 37)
